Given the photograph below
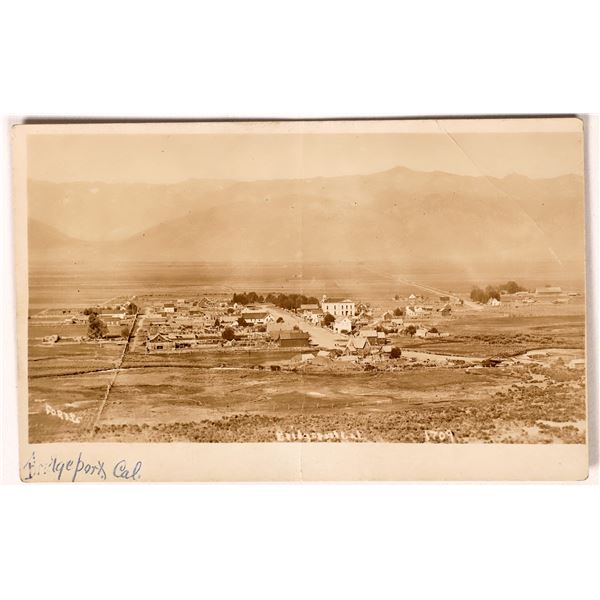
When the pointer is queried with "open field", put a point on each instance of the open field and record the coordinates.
(199, 402)
(491, 405)
(78, 396)
(65, 284)
(71, 358)
(484, 335)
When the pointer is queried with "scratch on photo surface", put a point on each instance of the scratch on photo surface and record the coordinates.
(491, 181)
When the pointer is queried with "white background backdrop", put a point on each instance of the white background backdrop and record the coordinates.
(291, 59)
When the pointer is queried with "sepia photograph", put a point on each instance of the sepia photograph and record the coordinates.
(413, 282)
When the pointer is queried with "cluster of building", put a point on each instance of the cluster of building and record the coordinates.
(214, 322)
(188, 324)
(544, 295)
(349, 317)
(117, 318)
(74, 316)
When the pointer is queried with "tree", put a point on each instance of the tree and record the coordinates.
(97, 328)
(411, 330)
(90, 311)
(492, 292)
(398, 312)
(433, 330)
(287, 301)
(477, 294)
(125, 332)
(482, 296)
(328, 319)
(512, 287)
(280, 320)
(228, 334)
(132, 308)
(396, 352)
(242, 322)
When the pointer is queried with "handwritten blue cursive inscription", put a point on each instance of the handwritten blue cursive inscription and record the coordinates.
(80, 469)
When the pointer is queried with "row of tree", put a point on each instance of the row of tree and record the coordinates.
(479, 295)
(287, 301)
(132, 309)
(510, 287)
(247, 298)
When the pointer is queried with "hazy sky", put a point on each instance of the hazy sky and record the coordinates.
(159, 158)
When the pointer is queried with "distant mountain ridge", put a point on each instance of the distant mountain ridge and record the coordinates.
(395, 215)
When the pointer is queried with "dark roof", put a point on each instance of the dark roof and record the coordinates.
(159, 337)
(329, 300)
(293, 335)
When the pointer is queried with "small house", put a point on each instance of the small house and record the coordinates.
(369, 334)
(257, 318)
(358, 345)
(292, 339)
(159, 342)
(446, 310)
(342, 325)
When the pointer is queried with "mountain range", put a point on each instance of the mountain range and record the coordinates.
(397, 215)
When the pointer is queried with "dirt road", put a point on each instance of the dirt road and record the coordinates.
(319, 335)
(441, 359)
(429, 289)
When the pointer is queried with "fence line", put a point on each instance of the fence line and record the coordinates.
(113, 378)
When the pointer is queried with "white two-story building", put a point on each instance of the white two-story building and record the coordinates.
(338, 307)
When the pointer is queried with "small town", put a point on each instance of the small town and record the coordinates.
(298, 330)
